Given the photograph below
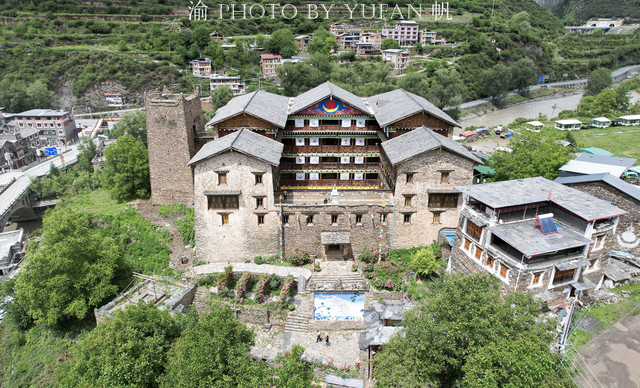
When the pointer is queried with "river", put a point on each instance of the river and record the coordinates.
(529, 110)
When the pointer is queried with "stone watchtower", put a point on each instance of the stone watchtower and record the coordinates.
(172, 123)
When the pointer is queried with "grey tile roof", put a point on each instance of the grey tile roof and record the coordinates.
(246, 142)
(267, 106)
(531, 190)
(421, 140)
(26, 132)
(325, 90)
(398, 104)
(617, 183)
(42, 112)
(610, 160)
(529, 240)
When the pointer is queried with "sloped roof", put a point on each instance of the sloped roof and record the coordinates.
(595, 151)
(627, 188)
(419, 141)
(398, 104)
(243, 141)
(538, 189)
(604, 159)
(266, 106)
(325, 90)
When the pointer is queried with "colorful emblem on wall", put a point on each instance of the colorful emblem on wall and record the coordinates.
(331, 106)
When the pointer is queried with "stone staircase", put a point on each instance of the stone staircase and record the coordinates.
(346, 281)
(297, 323)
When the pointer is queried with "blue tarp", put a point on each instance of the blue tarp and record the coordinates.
(449, 236)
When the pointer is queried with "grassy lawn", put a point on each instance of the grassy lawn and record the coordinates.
(96, 203)
(608, 314)
(626, 144)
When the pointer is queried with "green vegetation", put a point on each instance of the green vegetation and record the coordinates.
(134, 124)
(463, 333)
(127, 169)
(185, 225)
(599, 79)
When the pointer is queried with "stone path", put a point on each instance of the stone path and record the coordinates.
(252, 268)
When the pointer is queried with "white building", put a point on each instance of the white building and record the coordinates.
(568, 125)
(233, 82)
(405, 32)
(629, 120)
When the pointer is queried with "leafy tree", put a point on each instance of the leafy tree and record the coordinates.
(419, 48)
(599, 79)
(446, 88)
(261, 40)
(134, 124)
(323, 42)
(282, 43)
(300, 77)
(220, 96)
(496, 82)
(533, 154)
(126, 171)
(293, 372)
(39, 95)
(523, 74)
(426, 261)
(213, 353)
(609, 101)
(458, 328)
(390, 43)
(87, 152)
(129, 349)
(70, 271)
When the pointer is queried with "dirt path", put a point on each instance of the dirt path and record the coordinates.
(178, 250)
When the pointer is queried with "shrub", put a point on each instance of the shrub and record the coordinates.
(426, 261)
(262, 288)
(286, 292)
(298, 257)
(369, 254)
(258, 260)
(207, 281)
(226, 279)
(242, 286)
(274, 282)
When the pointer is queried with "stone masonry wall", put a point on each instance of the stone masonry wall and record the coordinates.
(172, 120)
(242, 238)
(427, 168)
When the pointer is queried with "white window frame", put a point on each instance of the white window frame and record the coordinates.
(540, 281)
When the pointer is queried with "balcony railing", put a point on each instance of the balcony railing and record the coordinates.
(329, 166)
(330, 183)
(323, 149)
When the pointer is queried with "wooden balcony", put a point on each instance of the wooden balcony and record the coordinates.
(328, 184)
(331, 149)
(329, 166)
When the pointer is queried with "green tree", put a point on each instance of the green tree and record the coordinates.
(419, 48)
(70, 271)
(323, 42)
(460, 324)
(533, 154)
(300, 77)
(446, 88)
(496, 81)
(126, 171)
(293, 372)
(134, 124)
(426, 260)
(390, 43)
(128, 349)
(39, 96)
(87, 152)
(523, 75)
(599, 79)
(220, 96)
(282, 43)
(213, 353)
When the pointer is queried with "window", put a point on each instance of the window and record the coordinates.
(260, 219)
(593, 264)
(410, 177)
(467, 245)
(259, 202)
(537, 279)
(407, 200)
(474, 231)
(436, 218)
(478, 253)
(503, 271)
(222, 201)
(222, 178)
(259, 178)
(443, 200)
(599, 243)
(225, 219)
(407, 218)
(334, 219)
(444, 177)
(490, 262)
(310, 219)
(358, 218)
(560, 277)
(285, 219)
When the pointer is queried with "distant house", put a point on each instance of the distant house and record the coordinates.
(586, 164)
(405, 32)
(215, 36)
(600, 122)
(568, 125)
(53, 125)
(113, 99)
(339, 28)
(201, 67)
(348, 41)
(269, 63)
(11, 250)
(427, 37)
(375, 38)
(236, 84)
(303, 41)
(363, 49)
(534, 126)
(397, 57)
(629, 120)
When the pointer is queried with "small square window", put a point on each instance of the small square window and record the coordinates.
(334, 219)
(258, 179)
(358, 218)
(222, 178)
(260, 219)
(444, 177)
(225, 219)
(436, 218)
(407, 218)
(410, 177)
(259, 202)
(407, 200)
(310, 219)
(537, 279)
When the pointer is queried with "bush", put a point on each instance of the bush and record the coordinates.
(225, 280)
(369, 255)
(207, 281)
(286, 292)
(242, 286)
(258, 260)
(262, 288)
(426, 261)
(298, 257)
(274, 282)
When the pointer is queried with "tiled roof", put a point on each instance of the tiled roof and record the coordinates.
(325, 90)
(269, 107)
(627, 188)
(398, 104)
(246, 142)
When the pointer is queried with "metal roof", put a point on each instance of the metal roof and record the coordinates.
(246, 142)
(569, 121)
(269, 107)
(529, 240)
(325, 90)
(617, 183)
(42, 112)
(419, 141)
(595, 151)
(585, 167)
(532, 190)
(604, 159)
(398, 104)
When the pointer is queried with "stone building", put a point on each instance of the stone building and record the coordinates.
(328, 171)
(174, 124)
(535, 235)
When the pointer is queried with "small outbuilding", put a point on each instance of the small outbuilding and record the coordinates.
(568, 125)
